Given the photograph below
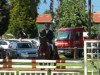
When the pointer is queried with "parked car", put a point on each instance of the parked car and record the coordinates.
(12, 40)
(23, 49)
(5, 44)
(34, 41)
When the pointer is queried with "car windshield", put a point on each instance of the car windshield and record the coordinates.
(64, 35)
(24, 45)
(3, 43)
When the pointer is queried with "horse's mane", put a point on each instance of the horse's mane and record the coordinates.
(42, 37)
(44, 47)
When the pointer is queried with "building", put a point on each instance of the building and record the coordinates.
(43, 19)
(96, 21)
(96, 17)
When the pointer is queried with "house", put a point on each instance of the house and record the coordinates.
(43, 19)
(96, 21)
(96, 17)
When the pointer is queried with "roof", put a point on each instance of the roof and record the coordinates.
(46, 18)
(64, 29)
(43, 18)
(96, 17)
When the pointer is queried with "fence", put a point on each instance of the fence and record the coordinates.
(37, 73)
(92, 57)
(5, 72)
(65, 73)
(61, 67)
(33, 72)
(91, 64)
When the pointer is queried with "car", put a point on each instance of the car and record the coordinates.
(35, 42)
(5, 44)
(12, 40)
(23, 49)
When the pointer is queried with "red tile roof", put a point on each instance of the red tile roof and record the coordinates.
(46, 18)
(96, 17)
(43, 18)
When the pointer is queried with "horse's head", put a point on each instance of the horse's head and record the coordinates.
(42, 37)
(44, 47)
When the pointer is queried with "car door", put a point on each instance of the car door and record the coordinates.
(77, 38)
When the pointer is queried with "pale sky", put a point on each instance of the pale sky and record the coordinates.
(96, 5)
(43, 7)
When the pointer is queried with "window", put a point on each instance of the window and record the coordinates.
(62, 35)
(24, 45)
(3, 43)
(78, 35)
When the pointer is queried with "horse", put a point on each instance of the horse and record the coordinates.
(2, 53)
(44, 50)
(47, 50)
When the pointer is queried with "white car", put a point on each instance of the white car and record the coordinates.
(5, 44)
(36, 42)
(12, 40)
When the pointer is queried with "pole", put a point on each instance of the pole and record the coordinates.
(52, 13)
(89, 19)
(51, 8)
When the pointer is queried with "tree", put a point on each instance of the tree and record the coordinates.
(51, 7)
(4, 16)
(23, 14)
(72, 13)
(47, 12)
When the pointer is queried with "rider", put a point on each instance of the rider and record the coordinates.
(21, 33)
(49, 33)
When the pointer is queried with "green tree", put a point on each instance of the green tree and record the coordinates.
(47, 12)
(23, 14)
(4, 16)
(51, 7)
(71, 13)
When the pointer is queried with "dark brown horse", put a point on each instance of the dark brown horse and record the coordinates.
(2, 53)
(46, 50)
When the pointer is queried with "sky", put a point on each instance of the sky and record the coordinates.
(96, 5)
(43, 7)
